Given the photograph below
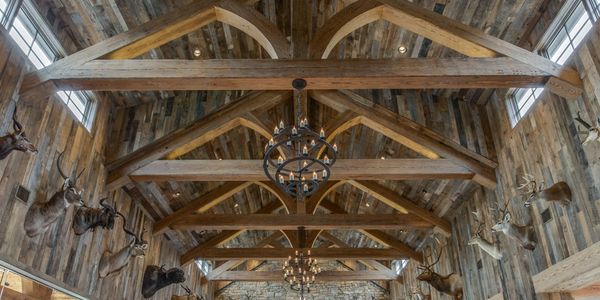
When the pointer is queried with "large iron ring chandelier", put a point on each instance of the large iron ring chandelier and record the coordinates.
(298, 159)
(301, 270)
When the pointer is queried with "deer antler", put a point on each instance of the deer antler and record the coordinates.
(58, 163)
(529, 182)
(16, 125)
(439, 254)
(480, 224)
(584, 123)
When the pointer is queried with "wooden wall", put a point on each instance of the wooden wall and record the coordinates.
(545, 143)
(58, 255)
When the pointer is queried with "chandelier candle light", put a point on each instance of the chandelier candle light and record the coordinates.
(301, 172)
(301, 270)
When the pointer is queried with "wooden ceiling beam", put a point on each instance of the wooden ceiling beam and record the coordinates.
(292, 222)
(283, 254)
(377, 235)
(224, 236)
(202, 203)
(344, 169)
(196, 133)
(410, 133)
(325, 276)
(369, 262)
(399, 203)
(260, 74)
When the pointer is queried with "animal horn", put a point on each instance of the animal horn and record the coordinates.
(125, 226)
(439, 254)
(16, 125)
(80, 174)
(584, 123)
(58, 163)
(186, 289)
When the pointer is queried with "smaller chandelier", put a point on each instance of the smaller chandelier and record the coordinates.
(308, 156)
(301, 270)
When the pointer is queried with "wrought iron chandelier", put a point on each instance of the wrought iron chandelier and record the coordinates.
(301, 270)
(298, 159)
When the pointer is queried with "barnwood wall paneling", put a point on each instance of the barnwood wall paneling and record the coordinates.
(58, 255)
(545, 144)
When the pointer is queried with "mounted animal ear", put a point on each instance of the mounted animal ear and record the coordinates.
(507, 217)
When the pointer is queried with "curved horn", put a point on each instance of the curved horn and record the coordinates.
(584, 123)
(125, 227)
(58, 163)
(80, 174)
(16, 125)
(186, 289)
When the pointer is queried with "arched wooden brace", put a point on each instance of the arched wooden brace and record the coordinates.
(164, 29)
(453, 34)
(229, 12)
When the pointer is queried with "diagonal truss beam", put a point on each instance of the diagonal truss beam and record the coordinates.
(451, 33)
(196, 133)
(413, 135)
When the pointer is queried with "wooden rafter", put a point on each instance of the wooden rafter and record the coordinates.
(282, 254)
(196, 133)
(344, 169)
(162, 30)
(292, 222)
(261, 74)
(410, 133)
(335, 276)
(440, 29)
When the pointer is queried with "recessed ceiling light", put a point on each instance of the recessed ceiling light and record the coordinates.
(368, 205)
(177, 194)
(236, 205)
(402, 49)
(197, 52)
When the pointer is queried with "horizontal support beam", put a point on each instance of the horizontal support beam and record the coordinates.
(344, 169)
(283, 254)
(247, 74)
(336, 276)
(292, 222)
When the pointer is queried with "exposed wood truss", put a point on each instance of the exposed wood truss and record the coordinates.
(282, 254)
(246, 74)
(410, 133)
(336, 276)
(194, 135)
(344, 169)
(292, 222)
(440, 29)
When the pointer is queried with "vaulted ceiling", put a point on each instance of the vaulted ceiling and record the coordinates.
(450, 113)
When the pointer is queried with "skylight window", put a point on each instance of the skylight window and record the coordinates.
(204, 266)
(559, 46)
(32, 36)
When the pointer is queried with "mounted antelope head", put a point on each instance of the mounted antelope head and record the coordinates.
(113, 263)
(481, 242)
(16, 140)
(156, 278)
(559, 192)
(189, 296)
(593, 133)
(89, 218)
(43, 214)
(451, 284)
(525, 235)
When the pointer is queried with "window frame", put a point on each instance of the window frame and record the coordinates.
(26, 13)
(557, 29)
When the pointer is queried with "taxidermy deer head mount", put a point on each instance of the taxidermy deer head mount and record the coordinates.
(156, 278)
(189, 296)
(16, 140)
(87, 218)
(113, 263)
(43, 214)
(525, 235)
(559, 192)
(451, 284)
(593, 133)
(481, 242)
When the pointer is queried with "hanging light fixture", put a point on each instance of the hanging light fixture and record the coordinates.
(298, 159)
(301, 270)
